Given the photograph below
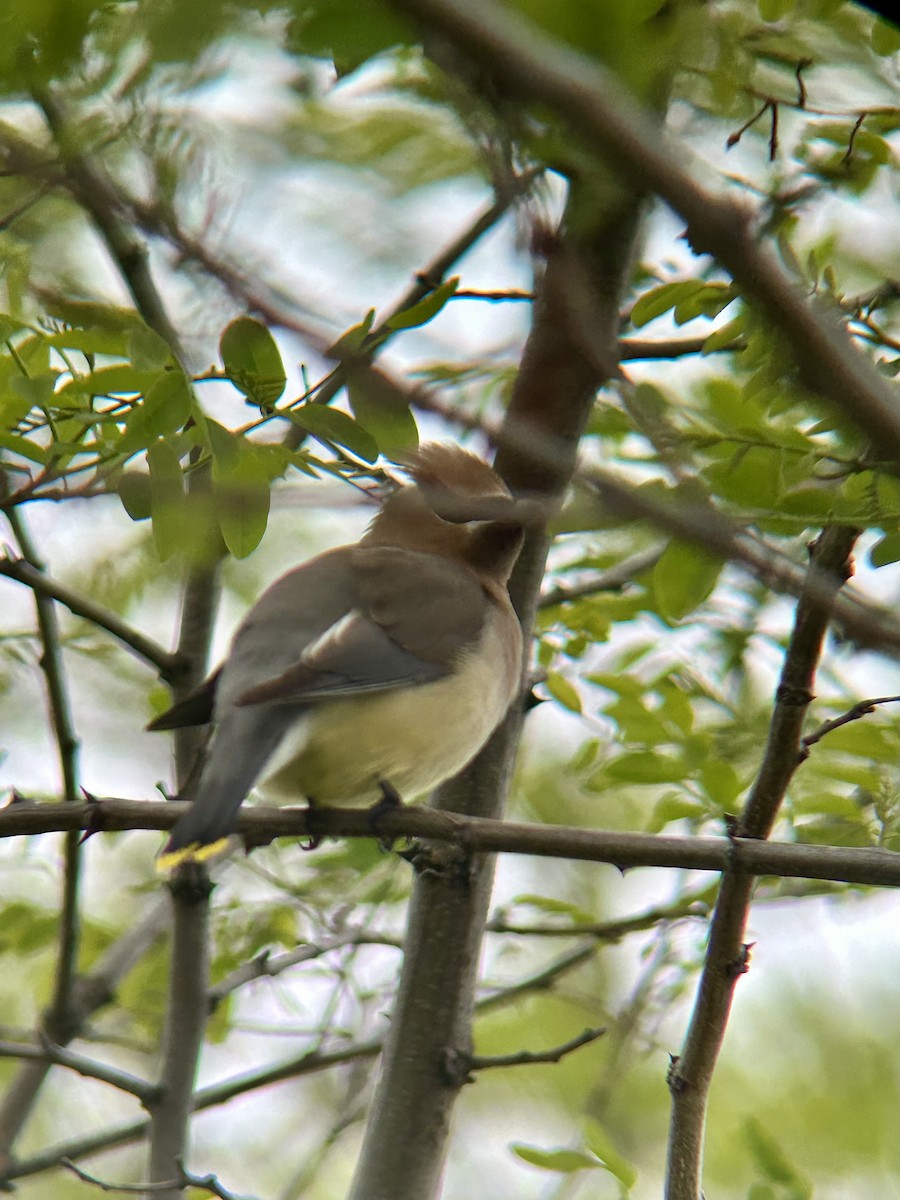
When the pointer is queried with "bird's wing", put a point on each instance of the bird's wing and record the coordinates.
(353, 621)
(196, 708)
(409, 616)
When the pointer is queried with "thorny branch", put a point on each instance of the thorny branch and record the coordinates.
(259, 825)
(727, 956)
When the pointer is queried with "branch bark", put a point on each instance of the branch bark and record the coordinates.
(587, 265)
(61, 1021)
(727, 956)
(871, 866)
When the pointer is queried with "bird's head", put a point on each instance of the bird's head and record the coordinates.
(454, 504)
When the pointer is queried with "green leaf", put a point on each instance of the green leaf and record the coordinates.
(352, 341)
(720, 781)
(425, 310)
(167, 499)
(24, 448)
(647, 767)
(600, 1143)
(147, 350)
(8, 326)
(555, 907)
(564, 1161)
(135, 492)
(383, 412)
(333, 27)
(253, 361)
(223, 445)
(562, 690)
(771, 1161)
(707, 301)
(119, 380)
(90, 341)
(332, 425)
(165, 409)
(886, 550)
(683, 578)
(241, 490)
(725, 335)
(25, 929)
(662, 299)
(674, 807)
(750, 476)
(38, 391)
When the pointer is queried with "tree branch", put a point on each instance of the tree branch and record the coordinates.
(609, 580)
(206, 1183)
(94, 191)
(60, 1056)
(92, 991)
(141, 646)
(872, 866)
(188, 982)
(204, 1098)
(61, 1019)
(269, 966)
(525, 1058)
(856, 713)
(587, 265)
(727, 957)
(523, 61)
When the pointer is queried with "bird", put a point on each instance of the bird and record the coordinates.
(379, 668)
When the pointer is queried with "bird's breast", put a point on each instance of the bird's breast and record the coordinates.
(413, 737)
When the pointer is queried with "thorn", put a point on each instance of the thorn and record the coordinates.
(95, 821)
(741, 964)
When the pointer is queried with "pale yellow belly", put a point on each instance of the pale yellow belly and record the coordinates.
(413, 738)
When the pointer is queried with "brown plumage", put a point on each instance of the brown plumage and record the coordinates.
(391, 661)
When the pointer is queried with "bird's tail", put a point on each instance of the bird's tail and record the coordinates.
(240, 747)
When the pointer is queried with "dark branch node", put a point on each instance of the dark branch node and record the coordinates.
(456, 1068)
(740, 965)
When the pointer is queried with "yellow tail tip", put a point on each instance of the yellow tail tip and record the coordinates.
(195, 852)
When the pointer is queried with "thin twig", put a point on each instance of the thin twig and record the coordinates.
(206, 1183)
(94, 191)
(205, 1098)
(862, 709)
(695, 904)
(90, 1069)
(270, 966)
(524, 61)
(526, 1058)
(138, 643)
(632, 349)
(610, 580)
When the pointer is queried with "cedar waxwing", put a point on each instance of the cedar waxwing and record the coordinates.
(383, 666)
